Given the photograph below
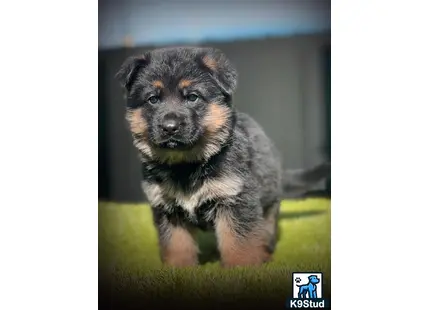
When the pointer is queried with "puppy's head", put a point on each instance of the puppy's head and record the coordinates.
(179, 102)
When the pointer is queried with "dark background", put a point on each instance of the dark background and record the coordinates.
(284, 82)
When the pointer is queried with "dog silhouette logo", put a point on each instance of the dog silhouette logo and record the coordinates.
(309, 289)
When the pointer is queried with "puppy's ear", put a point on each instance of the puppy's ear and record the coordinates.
(220, 69)
(129, 69)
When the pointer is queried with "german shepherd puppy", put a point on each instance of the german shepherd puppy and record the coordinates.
(204, 164)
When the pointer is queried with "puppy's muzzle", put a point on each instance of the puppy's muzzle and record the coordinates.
(172, 123)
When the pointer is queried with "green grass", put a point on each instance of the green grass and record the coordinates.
(128, 253)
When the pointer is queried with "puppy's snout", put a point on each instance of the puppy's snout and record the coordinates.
(170, 126)
(171, 123)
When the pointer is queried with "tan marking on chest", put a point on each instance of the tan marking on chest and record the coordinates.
(211, 189)
(154, 193)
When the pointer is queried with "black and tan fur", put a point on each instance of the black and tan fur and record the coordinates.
(204, 164)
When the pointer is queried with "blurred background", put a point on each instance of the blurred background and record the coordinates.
(280, 48)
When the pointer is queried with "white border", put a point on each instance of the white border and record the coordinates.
(48, 157)
(380, 154)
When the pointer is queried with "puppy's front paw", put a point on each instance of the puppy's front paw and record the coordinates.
(181, 249)
(246, 255)
(252, 257)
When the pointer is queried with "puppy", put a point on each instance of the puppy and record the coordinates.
(204, 164)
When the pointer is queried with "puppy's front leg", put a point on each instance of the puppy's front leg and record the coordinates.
(177, 244)
(240, 238)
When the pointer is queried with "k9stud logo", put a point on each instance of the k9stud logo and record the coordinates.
(307, 291)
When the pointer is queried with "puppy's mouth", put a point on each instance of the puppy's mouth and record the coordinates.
(174, 144)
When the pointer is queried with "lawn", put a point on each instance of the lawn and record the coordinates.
(129, 260)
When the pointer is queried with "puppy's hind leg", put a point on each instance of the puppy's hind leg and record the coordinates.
(271, 215)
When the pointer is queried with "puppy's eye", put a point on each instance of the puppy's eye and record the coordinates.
(192, 98)
(154, 99)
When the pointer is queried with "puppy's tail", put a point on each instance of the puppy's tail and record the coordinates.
(298, 182)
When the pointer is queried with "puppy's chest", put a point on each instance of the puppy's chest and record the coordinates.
(171, 196)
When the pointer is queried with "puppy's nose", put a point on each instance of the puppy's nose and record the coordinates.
(170, 125)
